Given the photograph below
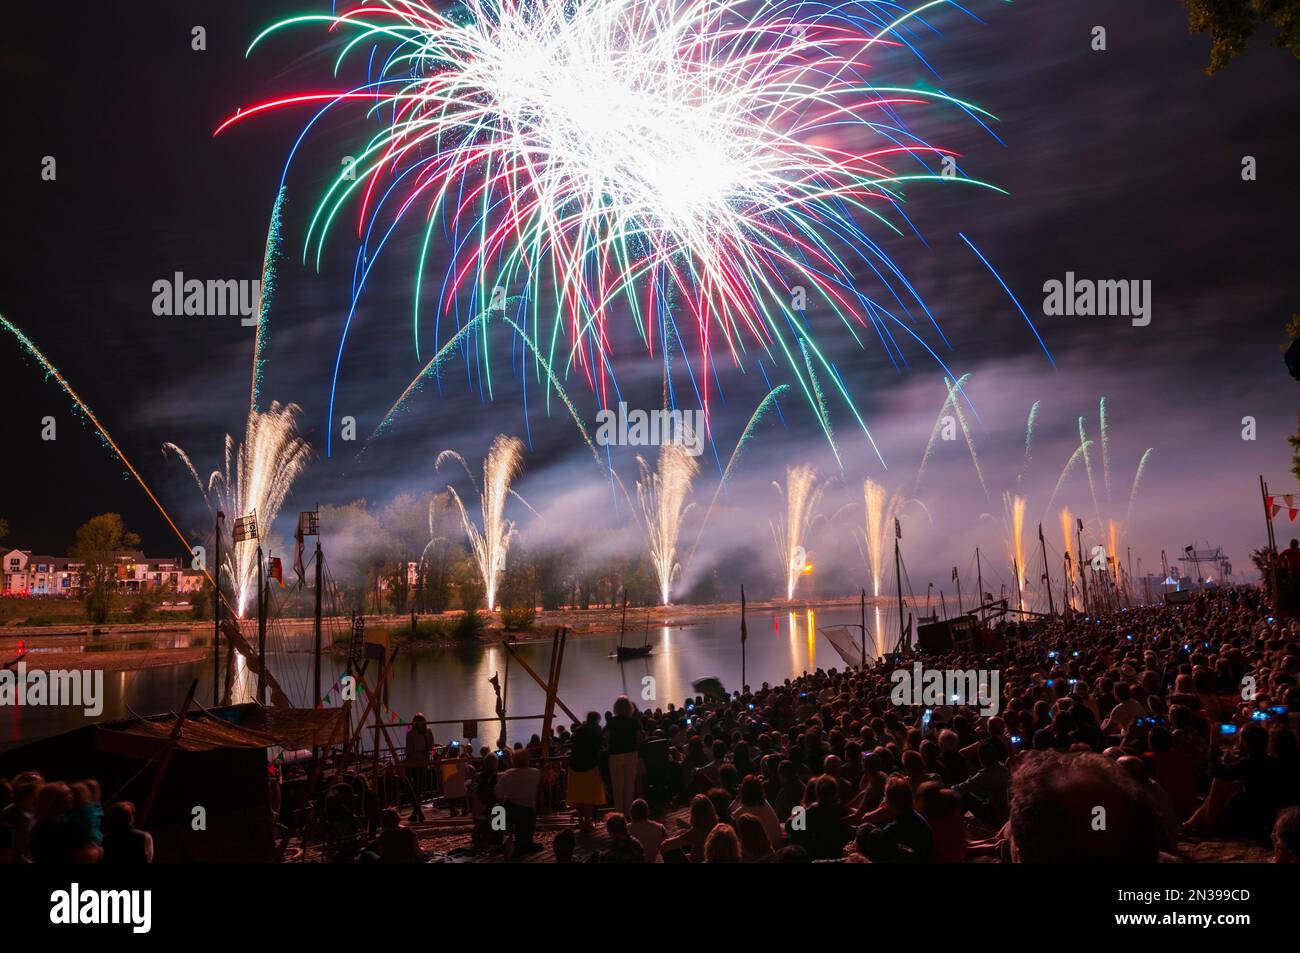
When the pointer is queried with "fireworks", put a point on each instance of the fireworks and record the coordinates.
(882, 509)
(1067, 540)
(802, 494)
(504, 460)
(255, 480)
(1013, 509)
(715, 160)
(662, 496)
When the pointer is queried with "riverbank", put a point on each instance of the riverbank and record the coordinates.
(135, 646)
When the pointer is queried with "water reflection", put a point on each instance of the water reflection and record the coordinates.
(451, 684)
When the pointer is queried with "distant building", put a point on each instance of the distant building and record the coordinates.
(28, 574)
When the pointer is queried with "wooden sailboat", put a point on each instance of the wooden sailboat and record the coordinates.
(623, 652)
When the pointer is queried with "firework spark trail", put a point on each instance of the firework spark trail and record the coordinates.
(1084, 444)
(1013, 509)
(662, 495)
(413, 388)
(264, 306)
(1137, 480)
(768, 402)
(1105, 447)
(84, 409)
(955, 404)
(233, 633)
(1075, 457)
(638, 152)
(255, 480)
(1029, 441)
(823, 412)
(490, 546)
(1067, 537)
(881, 511)
(938, 425)
(801, 494)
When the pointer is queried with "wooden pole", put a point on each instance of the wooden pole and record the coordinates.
(862, 610)
(216, 614)
(167, 754)
(744, 637)
(316, 622)
(898, 574)
(261, 632)
(1042, 542)
(1083, 579)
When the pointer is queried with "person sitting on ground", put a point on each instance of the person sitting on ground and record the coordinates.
(704, 817)
(124, 843)
(19, 818)
(942, 809)
(517, 791)
(1170, 769)
(623, 847)
(563, 846)
(722, 846)
(1058, 803)
(1286, 837)
(822, 828)
(396, 843)
(987, 793)
(903, 823)
(752, 803)
(755, 846)
(650, 834)
(1244, 790)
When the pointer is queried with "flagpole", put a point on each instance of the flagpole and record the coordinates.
(216, 615)
(316, 617)
(744, 636)
(864, 628)
(261, 631)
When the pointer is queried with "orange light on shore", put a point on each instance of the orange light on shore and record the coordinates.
(807, 569)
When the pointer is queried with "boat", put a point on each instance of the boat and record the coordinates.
(623, 652)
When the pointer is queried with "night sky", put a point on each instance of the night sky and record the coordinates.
(1119, 164)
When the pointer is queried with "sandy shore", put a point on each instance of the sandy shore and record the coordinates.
(126, 660)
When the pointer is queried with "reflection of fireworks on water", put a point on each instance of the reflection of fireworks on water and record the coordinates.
(882, 509)
(662, 495)
(637, 156)
(255, 479)
(801, 494)
(502, 465)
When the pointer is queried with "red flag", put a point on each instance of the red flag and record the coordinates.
(1268, 503)
(277, 571)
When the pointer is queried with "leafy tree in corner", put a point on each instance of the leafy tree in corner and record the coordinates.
(99, 542)
(1231, 24)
